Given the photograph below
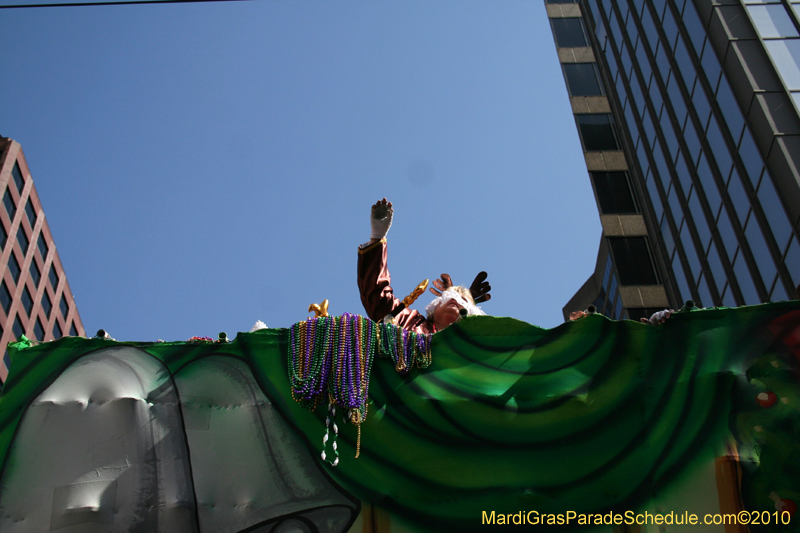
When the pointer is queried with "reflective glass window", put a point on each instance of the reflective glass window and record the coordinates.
(655, 96)
(710, 66)
(730, 109)
(649, 29)
(569, 32)
(8, 202)
(38, 330)
(42, 244)
(694, 27)
(613, 192)
(611, 62)
(652, 188)
(63, 306)
(23, 241)
(663, 64)
(726, 231)
(682, 171)
(750, 155)
(680, 277)
(582, 79)
(727, 297)
(73, 330)
(690, 252)
(701, 105)
(638, 97)
(700, 222)
(786, 55)
(630, 121)
(13, 267)
(709, 185)
(772, 21)
(692, 142)
(625, 60)
(792, 262)
(27, 300)
(661, 163)
(760, 250)
(775, 214)
(36, 274)
(16, 173)
(5, 297)
(669, 240)
(675, 205)
(746, 286)
(57, 333)
(676, 98)
(738, 197)
(17, 328)
(53, 277)
(616, 32)
(597, 132)
(669, 136)
(704, 293)
(715, 264)
(632, 257)
(659, 6)
(649, 129)
(607, 272)
(643, 63)
(670, 28)
(779, 293)
(47, 304)
(30, 212)
(600, 28)
(718, 148)
(3, 237)
(796, 8)
(684, 63)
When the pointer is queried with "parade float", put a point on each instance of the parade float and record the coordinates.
(341, 423)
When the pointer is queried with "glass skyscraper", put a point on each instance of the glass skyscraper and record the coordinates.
(688, 115)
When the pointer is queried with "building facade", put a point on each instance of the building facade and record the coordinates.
(35, 298)
(688, 115)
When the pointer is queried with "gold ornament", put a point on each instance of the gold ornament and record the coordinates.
(320, 310)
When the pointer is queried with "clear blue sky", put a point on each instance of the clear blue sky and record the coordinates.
(203, 166)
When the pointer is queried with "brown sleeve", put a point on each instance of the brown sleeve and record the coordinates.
(374, 285)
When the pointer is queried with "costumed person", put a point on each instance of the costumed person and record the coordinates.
(374, 284)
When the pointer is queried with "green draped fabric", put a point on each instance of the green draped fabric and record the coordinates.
(588, 416)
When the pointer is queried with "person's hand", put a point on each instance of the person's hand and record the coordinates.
(480, 288)
(380, 219)
(441, 284)
(659, 317)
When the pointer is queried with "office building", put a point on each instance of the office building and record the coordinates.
(687, 111)
(35, 298)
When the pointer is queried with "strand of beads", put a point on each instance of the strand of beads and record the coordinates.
(330, 358)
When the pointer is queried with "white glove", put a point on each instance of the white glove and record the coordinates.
(381, 219)
(660, 317)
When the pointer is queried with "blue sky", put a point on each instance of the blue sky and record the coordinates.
(203, 166)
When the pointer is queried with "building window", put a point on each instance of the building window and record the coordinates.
(3, 237)
(36, 274)
(18, 179)
(31, 212)
(569, 32)
(47, 304)
(613, 192)
(27, 301)
(23, 241)
(786, 55)
(43, 249)
(38, 330)
(72, 331)
(5, 297)
(18, 330)
(64, 307)
(632, 257)
(772, 21)
(13, 267)
(57, 333)
(8, 202)
(53, 277)
(597, 132)
(582, 79)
